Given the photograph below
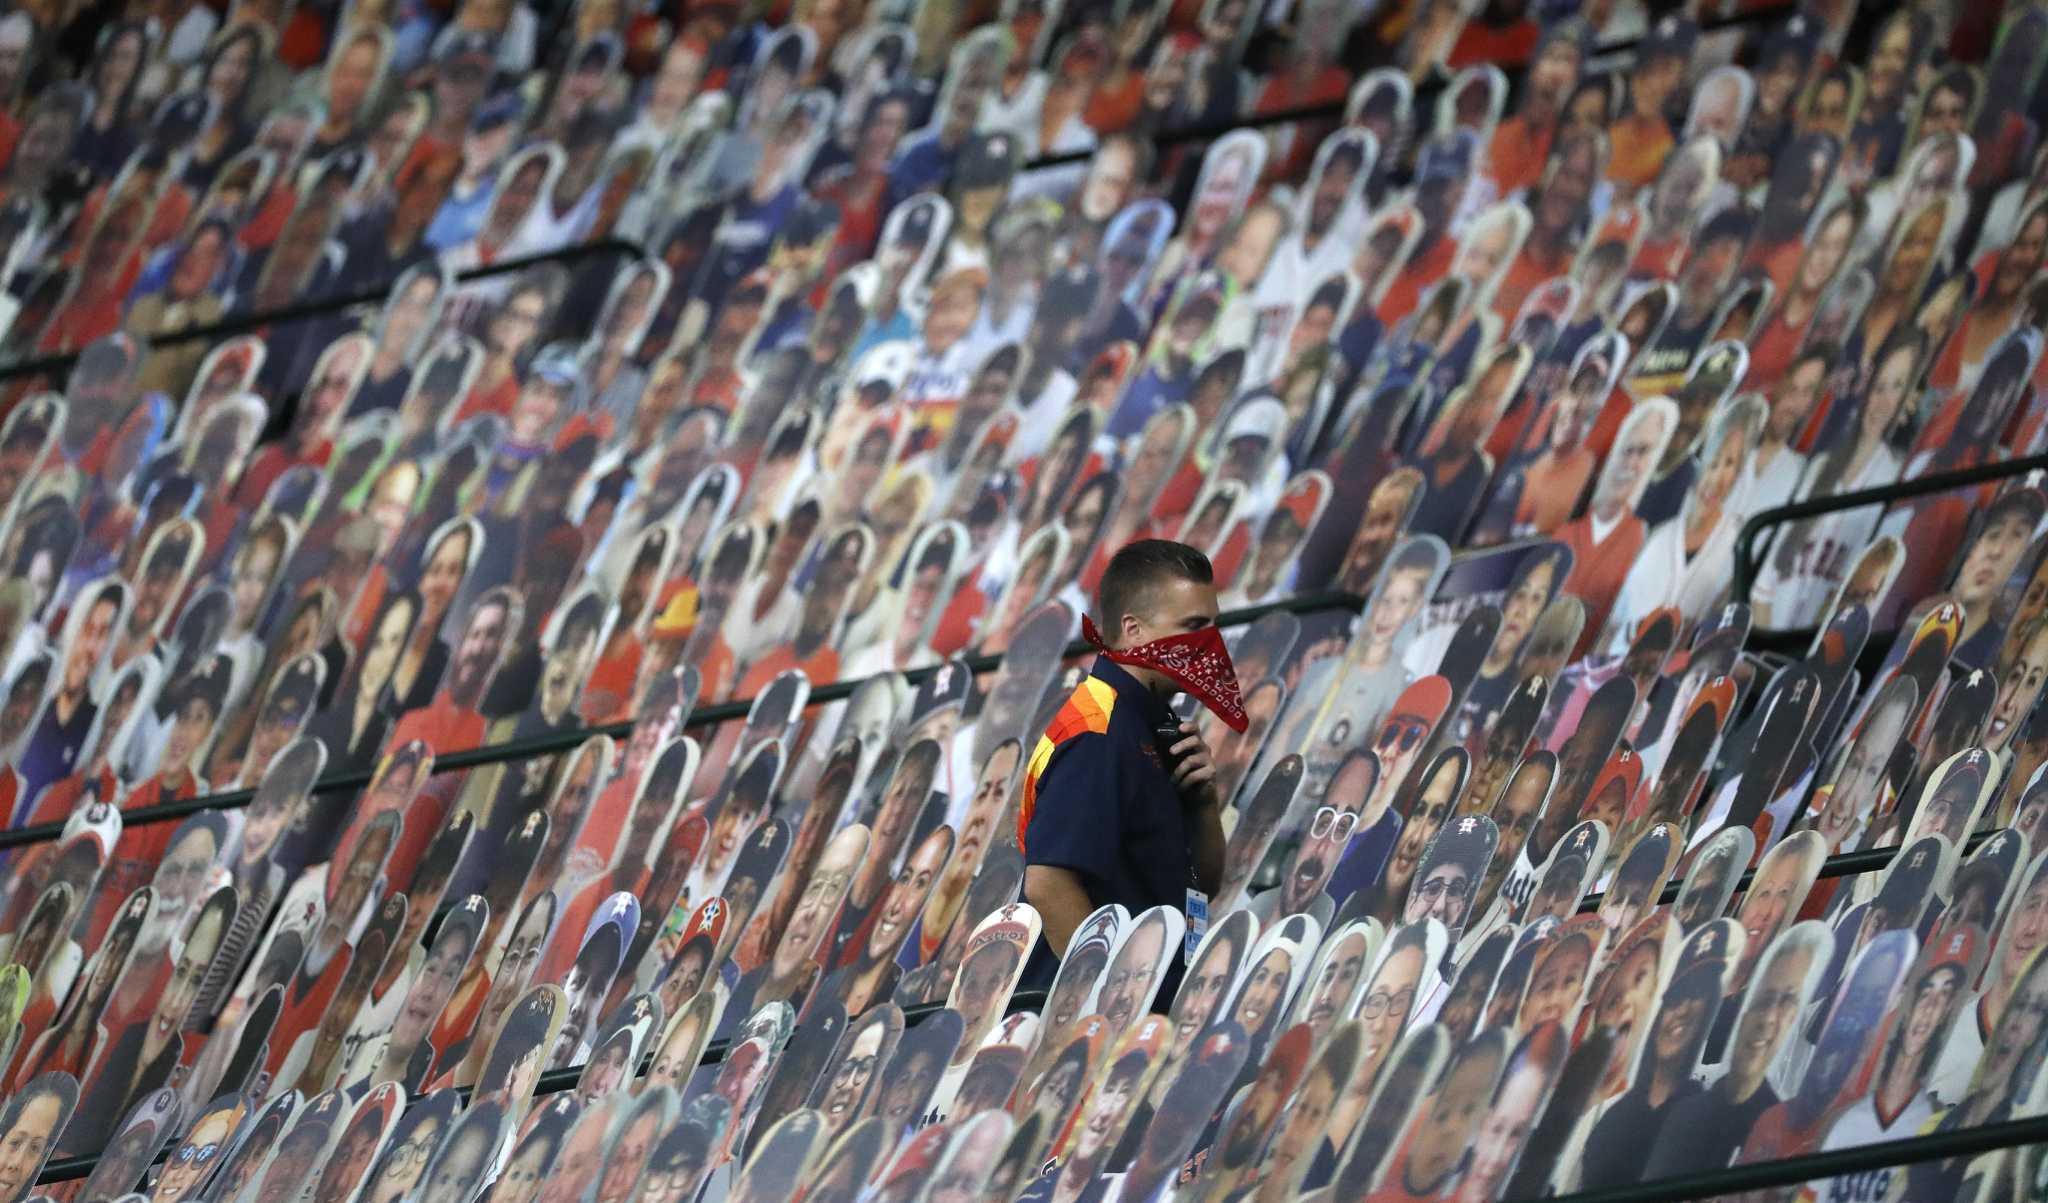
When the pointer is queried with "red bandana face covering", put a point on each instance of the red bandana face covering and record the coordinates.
(1196, 661)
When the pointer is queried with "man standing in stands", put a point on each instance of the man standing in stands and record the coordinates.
(1120, 800)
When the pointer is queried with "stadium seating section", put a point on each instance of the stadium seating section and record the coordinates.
(537, 546)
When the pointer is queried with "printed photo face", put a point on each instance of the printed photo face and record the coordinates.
(1335, 979)
(1375, 1107)
(1428, 810)
(682, 1044)
(823, 892)
(1258, 822)
(464, 1158)
(361, 1140)
(1783, 982)
(1450, 872)
(195, 1156)
(1133, 973)
(30, 1128)
(1450, 1115)
(1329, 830)
(1557, 981)
(141, 1137)
(1178, 1122)
(1580, 760)
(986, 976)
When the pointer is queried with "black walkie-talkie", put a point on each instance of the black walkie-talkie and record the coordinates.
(1168, 733)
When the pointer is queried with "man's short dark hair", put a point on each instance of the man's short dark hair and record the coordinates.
(1226, 365)
(921, 757)
(1413, 555)
(443, 374)
(1004, 358)
(104, 361)
(651, 551)
(1958, 79)
(788, 441)
(1143, 566)
(984, 510)
(27, 434)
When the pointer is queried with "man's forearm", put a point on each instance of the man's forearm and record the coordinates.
(1061, 901)
(1205, 845)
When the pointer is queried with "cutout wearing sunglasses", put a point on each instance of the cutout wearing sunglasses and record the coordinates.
(1332, 824)
(1402, 733)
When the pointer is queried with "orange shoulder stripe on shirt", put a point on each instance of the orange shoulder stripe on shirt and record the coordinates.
(1086, 711)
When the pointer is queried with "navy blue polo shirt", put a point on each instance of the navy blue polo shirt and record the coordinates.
(1098, 802)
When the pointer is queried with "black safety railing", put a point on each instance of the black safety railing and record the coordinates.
(1841, 864)
(1747, 561)
(555, 1081)
(327, 306)
(1205, 131)
(564, 741)
(70, 1169)
(1810, 1167)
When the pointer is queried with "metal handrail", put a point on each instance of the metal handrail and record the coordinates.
(243, 323)
(565, 741)
(555, 1081)
(1841, 864)
(1792, 1171)
(1747, 561)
